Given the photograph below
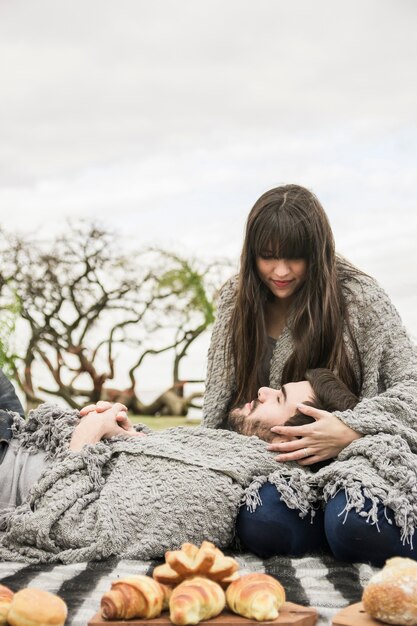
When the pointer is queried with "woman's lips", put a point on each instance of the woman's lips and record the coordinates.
(281, 284)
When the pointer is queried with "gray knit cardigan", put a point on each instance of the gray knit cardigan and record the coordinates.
(383, 464)
(388, 356)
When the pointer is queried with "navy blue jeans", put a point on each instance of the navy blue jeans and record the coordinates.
(274, 529)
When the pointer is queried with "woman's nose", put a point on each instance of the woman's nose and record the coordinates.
(281, 268)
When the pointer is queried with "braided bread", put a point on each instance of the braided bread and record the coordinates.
(207, 560)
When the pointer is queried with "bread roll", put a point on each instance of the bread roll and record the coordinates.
(256, 596)
(34, 607)
(6, 596)
(135, 596)
(391, 595)
(195, 600)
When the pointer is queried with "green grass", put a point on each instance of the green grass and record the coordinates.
(159, 423)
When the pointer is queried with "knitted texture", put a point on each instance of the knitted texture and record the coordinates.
(131, 497)
(389, 358)
(383, 464)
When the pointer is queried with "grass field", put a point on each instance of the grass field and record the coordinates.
(159, 423)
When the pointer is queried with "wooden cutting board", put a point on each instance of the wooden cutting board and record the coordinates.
(354, 615)
(290, 615)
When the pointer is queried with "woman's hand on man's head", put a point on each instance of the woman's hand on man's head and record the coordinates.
(323, 439)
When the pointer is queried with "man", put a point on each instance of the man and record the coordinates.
(134, 496)
(101, 421)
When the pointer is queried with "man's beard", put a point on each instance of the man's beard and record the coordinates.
(249, 427)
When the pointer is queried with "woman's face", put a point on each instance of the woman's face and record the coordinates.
(283, 277)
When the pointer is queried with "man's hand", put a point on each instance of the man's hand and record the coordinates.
(321, 440)
(102, 422)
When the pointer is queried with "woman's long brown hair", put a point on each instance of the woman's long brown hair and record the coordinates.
(289, 223)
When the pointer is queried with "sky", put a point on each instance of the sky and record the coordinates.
(166, 120)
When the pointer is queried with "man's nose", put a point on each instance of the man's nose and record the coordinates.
(265, 393)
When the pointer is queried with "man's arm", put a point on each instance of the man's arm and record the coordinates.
(8, 398)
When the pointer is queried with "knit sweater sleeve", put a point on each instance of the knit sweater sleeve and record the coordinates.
(389, 358)
(219, 382)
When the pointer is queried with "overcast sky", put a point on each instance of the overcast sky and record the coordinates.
(167, 119)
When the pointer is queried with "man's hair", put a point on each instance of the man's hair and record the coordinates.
(330, 394)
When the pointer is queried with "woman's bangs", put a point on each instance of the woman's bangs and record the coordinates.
(294, 243)
(282, 240)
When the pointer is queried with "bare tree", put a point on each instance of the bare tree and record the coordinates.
(83, 302)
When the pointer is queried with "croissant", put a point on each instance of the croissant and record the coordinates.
(207, 560)
(195, 600)
(135, 596)
(6, 596)
(35, 607)
(256, 596)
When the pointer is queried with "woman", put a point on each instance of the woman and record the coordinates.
(296, 305)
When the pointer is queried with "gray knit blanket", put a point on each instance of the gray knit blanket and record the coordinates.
(137, 498)
(131, 497)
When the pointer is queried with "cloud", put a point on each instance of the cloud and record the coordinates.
(166, 120)
(87, 82)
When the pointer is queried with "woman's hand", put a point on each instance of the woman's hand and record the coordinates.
(101, 422)
(318, 441)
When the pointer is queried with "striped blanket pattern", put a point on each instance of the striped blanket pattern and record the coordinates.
(317, 581)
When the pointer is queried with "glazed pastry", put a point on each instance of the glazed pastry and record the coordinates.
(35, 607)
(195, 600)
(191, 561)
(256, 596)
(391, 595)
(6, 596)
(135, 596)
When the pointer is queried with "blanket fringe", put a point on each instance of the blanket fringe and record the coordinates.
(251, 497)
(48, 429)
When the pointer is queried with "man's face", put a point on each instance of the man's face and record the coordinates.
(273, 407)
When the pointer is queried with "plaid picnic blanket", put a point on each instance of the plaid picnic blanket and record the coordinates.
(318, 581)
